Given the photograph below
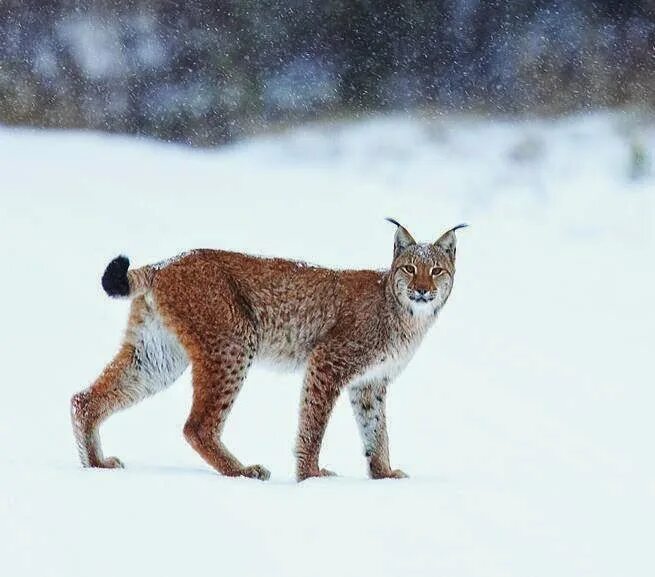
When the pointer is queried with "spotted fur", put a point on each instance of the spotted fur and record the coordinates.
(222, 311)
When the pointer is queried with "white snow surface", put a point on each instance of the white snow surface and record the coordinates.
(525, 420)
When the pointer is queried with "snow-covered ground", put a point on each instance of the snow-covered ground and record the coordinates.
(525, 420)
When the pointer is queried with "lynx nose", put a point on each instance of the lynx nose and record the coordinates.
(422, 295)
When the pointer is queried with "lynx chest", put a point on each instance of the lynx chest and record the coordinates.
(386, 365)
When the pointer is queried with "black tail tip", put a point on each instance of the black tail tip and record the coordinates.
(114, 279)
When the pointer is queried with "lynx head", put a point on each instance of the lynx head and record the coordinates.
(422, 274)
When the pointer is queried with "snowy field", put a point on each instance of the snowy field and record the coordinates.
(526, 419)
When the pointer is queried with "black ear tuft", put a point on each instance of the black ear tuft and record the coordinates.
(402, 239)
(114, 279)
(448, 241)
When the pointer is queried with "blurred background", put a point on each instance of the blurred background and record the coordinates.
(205, 72)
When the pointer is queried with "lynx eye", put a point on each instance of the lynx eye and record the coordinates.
(409, 268)
(436, 271)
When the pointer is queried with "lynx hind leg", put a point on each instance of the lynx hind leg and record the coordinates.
(149, 360)
(368, 401)
(218, 374)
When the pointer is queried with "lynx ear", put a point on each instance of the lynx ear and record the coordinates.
(402, 239)
(448, 242)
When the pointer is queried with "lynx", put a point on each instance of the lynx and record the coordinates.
(221, 311)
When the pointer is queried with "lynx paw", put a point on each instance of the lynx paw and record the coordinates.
(111, 463)
(319, 473)
(391, 474)
(256, 472)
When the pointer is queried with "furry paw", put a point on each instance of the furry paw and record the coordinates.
(256, 472)
(303, 475)
(111, 463)
(391, 474)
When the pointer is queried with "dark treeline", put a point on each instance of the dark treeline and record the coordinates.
(208, 71)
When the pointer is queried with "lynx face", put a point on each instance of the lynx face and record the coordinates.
(422, 274)
(422, 278)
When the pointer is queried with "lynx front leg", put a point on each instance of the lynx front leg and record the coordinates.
(320, 392)
(216, 383)
(369, 405)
